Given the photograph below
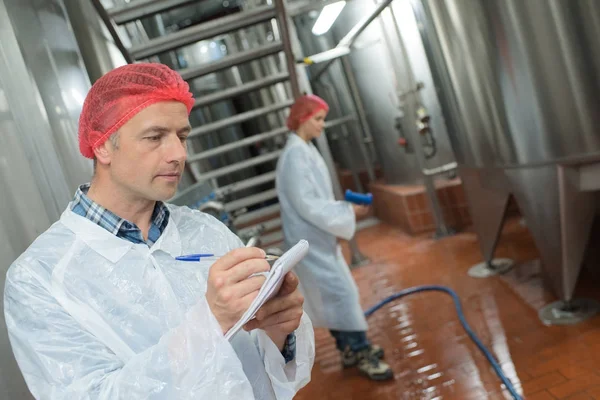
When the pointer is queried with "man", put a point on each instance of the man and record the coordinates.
(99, 308)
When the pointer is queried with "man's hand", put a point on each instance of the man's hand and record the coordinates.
(230, 290)
(360, 211)
(281, 315)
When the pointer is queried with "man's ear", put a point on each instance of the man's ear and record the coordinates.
(104, 152)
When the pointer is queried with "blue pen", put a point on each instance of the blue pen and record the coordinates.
(193, 257)
(198, 257)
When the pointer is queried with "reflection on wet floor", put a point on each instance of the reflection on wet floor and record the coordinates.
(432, 356)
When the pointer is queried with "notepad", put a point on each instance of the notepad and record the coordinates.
(272, 284)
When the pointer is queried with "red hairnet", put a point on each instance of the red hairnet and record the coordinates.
(119, 95)
(303, 109)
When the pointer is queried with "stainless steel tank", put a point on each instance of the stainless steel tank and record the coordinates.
(523, 77)
(520, 86)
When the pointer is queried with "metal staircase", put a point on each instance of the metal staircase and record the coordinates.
(257, 68)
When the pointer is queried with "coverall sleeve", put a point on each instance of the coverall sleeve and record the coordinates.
(61, 360)
(287, 378)
(299, 185)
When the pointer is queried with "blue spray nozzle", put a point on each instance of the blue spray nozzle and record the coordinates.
(359, 198)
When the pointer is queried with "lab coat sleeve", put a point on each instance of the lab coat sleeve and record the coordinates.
(299, 185)
(287, 378)
(60, 360)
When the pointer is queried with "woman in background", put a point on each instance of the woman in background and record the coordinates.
(309, 211)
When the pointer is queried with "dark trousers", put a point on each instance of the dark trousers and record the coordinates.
(355, 340)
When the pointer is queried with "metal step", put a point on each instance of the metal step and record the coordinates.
(256, 214)
(238, 144)
(191, 195)
(203, 31)
(267, 226)
(258, 138)
(247, 183)
(277, 245)
(216, 173)
(241, 89)
(238, 118)
(143, 8)
(251, 200)
(231, 61)
(224, 190)
(339, 121)
(273, 237)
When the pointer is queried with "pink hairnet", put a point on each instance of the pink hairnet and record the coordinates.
(119, 95)
(303, 109)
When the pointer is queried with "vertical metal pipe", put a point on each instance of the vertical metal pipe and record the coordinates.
(345, 151)
(362, 118)
(356, 257)
(441, 228)
(287, 46)
(343, 141)
(111, 28)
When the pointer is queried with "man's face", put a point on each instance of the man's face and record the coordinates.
(150, 155)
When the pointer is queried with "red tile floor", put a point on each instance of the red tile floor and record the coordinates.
(431, 355)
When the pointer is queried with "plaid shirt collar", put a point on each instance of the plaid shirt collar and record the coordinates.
(87, 208)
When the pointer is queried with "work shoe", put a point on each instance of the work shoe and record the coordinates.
(350, 358)
(372, 367)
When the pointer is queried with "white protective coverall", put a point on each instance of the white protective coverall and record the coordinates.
(309, 211)
(93, 316)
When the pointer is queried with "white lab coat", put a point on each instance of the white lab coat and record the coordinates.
(309, 211)
(93, 316)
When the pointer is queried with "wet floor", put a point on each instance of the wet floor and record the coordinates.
(431, 355)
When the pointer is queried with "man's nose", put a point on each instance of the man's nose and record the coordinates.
(177, 150)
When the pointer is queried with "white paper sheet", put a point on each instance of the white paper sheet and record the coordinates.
(272, 284)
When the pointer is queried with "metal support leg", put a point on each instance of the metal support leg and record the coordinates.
(357, 259)
(488, 208)
(568, 312)
(441, 230)
(486, 269)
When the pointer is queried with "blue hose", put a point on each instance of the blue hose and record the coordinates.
(463, 321)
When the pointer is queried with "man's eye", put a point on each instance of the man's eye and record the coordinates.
(154, 138)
